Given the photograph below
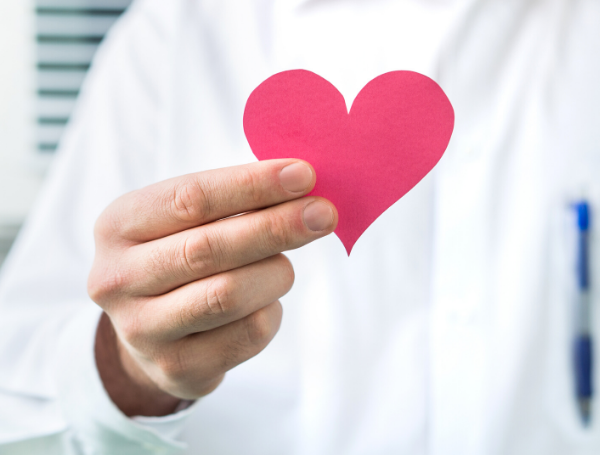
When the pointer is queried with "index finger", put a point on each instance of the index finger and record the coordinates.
(191, 200)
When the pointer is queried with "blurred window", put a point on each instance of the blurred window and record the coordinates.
(68, 33)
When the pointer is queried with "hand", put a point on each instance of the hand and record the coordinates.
(190, 291)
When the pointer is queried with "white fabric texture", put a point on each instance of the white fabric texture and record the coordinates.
(446, 332)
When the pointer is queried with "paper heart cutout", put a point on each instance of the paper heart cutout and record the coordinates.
(396, 131)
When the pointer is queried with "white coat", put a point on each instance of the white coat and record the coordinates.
(448, 329)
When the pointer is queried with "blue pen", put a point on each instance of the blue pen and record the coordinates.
(582, 349)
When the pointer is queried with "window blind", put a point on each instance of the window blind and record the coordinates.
(68, 33)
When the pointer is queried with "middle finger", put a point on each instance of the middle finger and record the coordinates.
(165, 264)
(216, 301)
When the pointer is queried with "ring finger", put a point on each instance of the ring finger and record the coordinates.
(218, 300)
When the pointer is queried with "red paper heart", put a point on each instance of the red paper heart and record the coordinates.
(396, 132)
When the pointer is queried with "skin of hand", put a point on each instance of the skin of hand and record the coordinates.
(189, 273)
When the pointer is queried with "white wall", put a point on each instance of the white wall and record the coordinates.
(19, 179)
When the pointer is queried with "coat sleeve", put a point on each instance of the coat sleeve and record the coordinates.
(48, 378)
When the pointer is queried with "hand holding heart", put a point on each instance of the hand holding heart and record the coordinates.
(189, 291)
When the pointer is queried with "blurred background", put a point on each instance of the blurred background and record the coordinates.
(45, 51)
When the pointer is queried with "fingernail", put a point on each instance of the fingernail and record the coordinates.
(296, 177)
(318, 216)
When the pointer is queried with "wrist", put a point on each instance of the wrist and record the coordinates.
(130, 389)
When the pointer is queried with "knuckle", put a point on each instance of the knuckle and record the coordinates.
(219, 300)
(258, 328)
(198, 253)
(106, 284)
(255, 334)
(276, 232)
(105, 227)
(248, 180)
(189, 202)
(235, 353)
(116, 222)
(172, 259)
